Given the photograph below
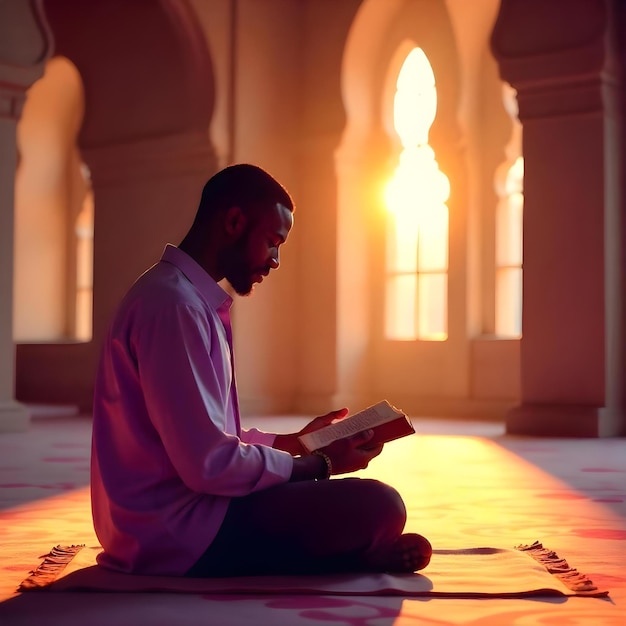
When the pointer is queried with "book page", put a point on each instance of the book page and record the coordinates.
(367, 418)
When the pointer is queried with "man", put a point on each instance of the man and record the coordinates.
(178, 487)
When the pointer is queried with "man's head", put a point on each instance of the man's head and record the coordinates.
(244, 216)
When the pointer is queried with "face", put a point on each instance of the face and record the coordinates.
(256, 252)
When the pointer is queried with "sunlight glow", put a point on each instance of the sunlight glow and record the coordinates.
(417, 222)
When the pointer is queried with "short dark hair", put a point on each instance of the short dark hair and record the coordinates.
(244, 185)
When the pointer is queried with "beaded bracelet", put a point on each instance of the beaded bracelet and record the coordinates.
(329, 465)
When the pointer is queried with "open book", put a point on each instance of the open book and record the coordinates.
(385, 420)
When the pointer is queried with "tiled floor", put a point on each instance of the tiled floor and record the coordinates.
(465, 484)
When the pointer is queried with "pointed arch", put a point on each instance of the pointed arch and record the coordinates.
(364, 165)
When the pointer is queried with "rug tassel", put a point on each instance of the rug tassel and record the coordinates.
(53, 564)
(558, 567)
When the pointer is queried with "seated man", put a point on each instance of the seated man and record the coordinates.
(178, 487)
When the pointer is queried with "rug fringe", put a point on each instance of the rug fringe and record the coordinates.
(53, 564)
(558, 567)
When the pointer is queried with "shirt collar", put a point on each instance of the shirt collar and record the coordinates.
(212, 292)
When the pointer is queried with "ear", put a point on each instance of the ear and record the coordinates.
(234, 221)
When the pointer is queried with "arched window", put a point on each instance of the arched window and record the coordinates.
(53, 213)
(509, 184)
(417, 215)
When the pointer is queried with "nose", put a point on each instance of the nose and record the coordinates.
(274, 261)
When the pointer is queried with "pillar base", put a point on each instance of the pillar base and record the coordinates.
(555, 420)
(14, 417)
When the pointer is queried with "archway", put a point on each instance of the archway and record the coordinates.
(368, 362)
(148, 89)
(52, 190)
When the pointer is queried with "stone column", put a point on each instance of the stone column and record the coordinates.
(24, 48)
(561, 58)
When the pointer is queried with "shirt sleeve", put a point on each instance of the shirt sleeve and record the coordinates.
(186, 392)
(254, 435)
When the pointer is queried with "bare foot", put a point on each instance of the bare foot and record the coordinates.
(409, 553)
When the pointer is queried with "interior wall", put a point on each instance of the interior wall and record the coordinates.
(281, 97)
(152, 111)
(320, 349)
(463, 375)
(217, 20)
(267, 110)
(305, 340)
(285, 107)
(326, 27)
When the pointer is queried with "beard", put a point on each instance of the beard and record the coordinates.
(241, 283)
(236, 269)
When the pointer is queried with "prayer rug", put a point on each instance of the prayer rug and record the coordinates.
(526, 571)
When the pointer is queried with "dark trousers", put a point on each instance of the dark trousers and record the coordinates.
(305, 528)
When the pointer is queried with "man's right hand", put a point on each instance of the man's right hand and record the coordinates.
(352, 453)
(346, 455)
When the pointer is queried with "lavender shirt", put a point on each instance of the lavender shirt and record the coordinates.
(168, 451)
